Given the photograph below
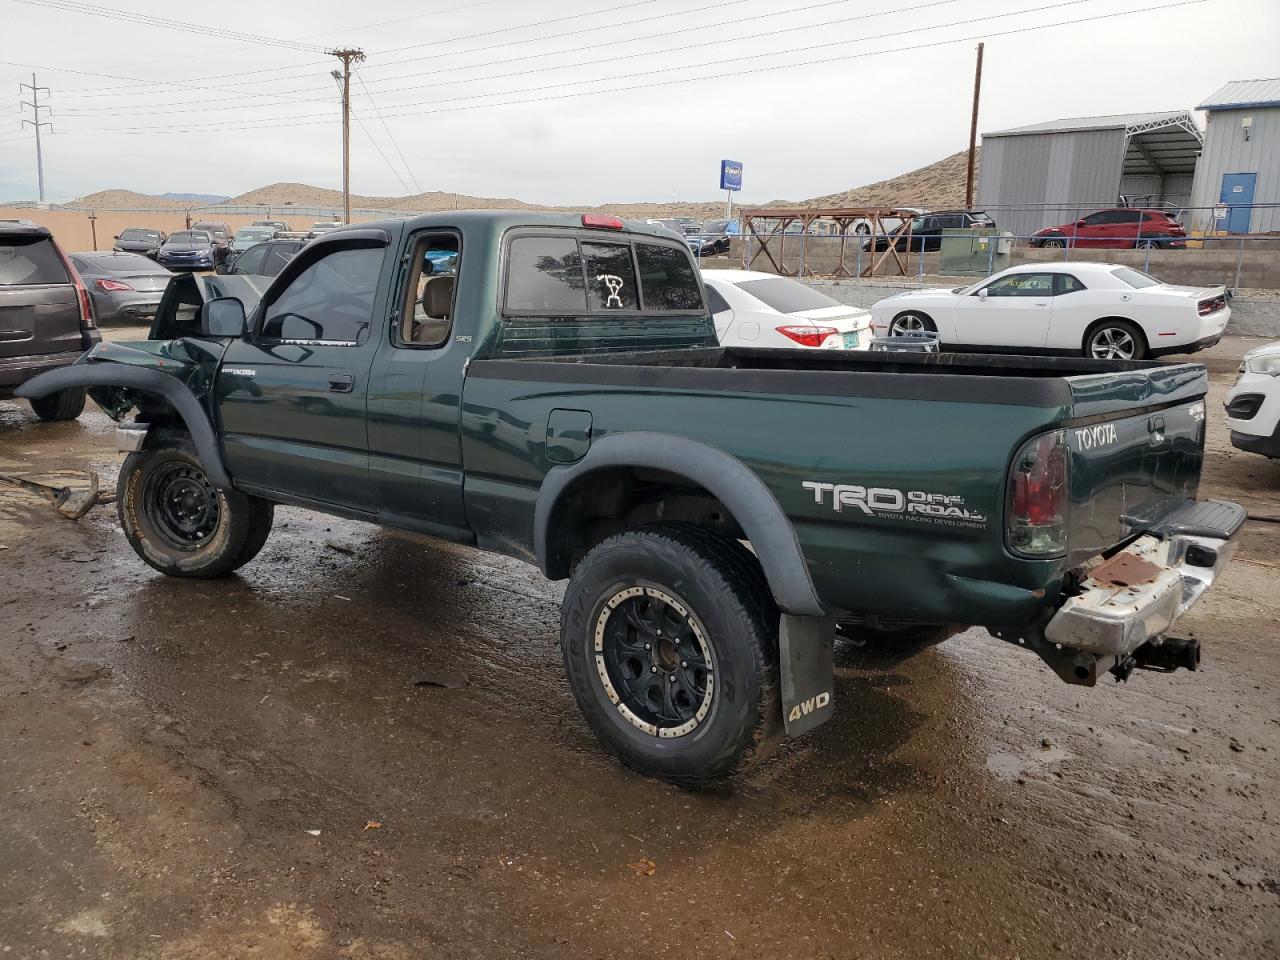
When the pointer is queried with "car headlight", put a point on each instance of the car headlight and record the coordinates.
(1269, 365)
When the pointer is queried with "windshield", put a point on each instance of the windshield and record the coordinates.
(137, 233)
(189, 236)
(787, 296)
(1135, 278)
(255, 233)
(916, 224)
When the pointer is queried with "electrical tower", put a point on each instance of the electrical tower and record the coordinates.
(347, 56)
(36, 106)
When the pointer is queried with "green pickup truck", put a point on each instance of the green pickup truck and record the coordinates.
(551, 388)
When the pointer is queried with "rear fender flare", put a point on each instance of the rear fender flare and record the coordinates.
(743, 494)
(178, 395)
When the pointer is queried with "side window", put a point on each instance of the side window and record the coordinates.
(611, 277)
(1022, 285)
(277, 257)
(1097, 219)
(330, 301)
(252, 261)
(544, 275)
(426, 316)
(1066, 283)
(717, 303)
(667, 278)
(1127, 216)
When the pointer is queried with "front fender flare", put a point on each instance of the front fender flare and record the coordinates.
(143, 380)
(744, 495)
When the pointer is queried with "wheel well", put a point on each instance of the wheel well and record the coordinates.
(1102, 321)
(919, 313)
(604, 502)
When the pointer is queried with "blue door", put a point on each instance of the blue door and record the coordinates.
(1237, 193)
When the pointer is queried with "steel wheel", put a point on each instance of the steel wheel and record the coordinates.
(182, 504)
(1113, 343)
(654, 662)
(909, 324)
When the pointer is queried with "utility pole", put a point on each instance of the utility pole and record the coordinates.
(36, 106)
(973, 132)
(347, 55)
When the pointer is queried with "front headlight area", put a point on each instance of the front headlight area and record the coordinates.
(1267, 365)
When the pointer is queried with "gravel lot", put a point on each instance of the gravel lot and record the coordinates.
(363, 747)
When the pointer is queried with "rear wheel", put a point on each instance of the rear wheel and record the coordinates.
(63, 405)
(911, 323)
(178, 522)
(1053, 243)
(669, 635)
(1147, 245)
(1115, 340)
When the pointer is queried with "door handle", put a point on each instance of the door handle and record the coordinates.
(341, 382)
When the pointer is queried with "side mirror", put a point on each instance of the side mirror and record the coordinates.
(982, 294)
(222, 269)
(116, 237)
(1081, 223)
(223, 317)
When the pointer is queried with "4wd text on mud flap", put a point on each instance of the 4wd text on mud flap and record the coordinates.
(891, 502)
(806, 707)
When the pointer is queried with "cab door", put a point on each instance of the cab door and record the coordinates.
(1014, 310)
(292, 394)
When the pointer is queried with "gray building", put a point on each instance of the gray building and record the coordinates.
(1056, 172)
(1240, 166)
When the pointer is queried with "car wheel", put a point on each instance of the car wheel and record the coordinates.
(1053, 243)
(911, 323)
(63, 405)
(178, 522)
(1147, 245)
(1115, 340)
(670, 642)
(862, 229)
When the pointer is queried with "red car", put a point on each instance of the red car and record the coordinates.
(1121, 228)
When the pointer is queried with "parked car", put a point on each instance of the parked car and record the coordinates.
(712, 238)
(278, 225)
(1120, 228)
(575, 411)
(1253, 405)
(321, 227)
(926, 230)
(220, 233)
(123, 287)
(246, 237)
(46, 321)
(1101, 310)
(189, 250)
(263, 259)
(144, 240)
(753, 309)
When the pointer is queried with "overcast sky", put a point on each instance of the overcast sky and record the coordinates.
(511, 99)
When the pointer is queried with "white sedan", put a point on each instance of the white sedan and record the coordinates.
(1253, 405)
(753, 309)
(1100, 310)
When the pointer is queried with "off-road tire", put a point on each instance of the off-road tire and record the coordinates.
(721, 586)
(63, 405)
(238, 530)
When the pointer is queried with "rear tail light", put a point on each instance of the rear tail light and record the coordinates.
(1036, 523)
(807, 336)
(601, 221)
(1206, 307)
(113, 286)
(82, 295)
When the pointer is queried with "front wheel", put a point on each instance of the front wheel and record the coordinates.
(63, 405)
(1115, 340)
(178, 522)
(911, 324)
(670, 643)
(1053, 244)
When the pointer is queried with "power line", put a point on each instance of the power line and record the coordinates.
(391, 136)
(71, 6)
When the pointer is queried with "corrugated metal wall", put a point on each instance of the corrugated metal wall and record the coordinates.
(1174, 188)
(1059, 176)
(1225, 151)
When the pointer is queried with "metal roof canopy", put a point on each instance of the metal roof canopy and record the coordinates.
(1156, 144)
(1245, 95)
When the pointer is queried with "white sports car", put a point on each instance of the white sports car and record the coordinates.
(1253, 405)
(753, 309)
(1100, 310)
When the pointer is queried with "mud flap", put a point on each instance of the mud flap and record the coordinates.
(805, 646)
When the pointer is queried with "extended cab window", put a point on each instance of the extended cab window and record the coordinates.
(544, 275)
(427, 317)
(331, 300)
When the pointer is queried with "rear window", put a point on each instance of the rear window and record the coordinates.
(30, 260)
(787, 296)
(1135, 278)
(137, 233)
(567, 276)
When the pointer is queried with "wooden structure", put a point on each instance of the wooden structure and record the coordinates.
(847, 219)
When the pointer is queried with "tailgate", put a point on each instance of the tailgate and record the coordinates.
(1135, 454)
(38, 318)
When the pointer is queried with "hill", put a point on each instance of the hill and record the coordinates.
(938, 185)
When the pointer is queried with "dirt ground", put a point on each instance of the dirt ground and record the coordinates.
(363, 747)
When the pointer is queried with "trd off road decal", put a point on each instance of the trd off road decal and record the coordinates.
(897, 504)
(614, 284)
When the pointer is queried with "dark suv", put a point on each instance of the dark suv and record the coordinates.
(926, 229)
(45, 317)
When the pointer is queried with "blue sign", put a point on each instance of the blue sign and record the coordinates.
(730, 175)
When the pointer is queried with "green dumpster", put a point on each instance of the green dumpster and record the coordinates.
(967, 251)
